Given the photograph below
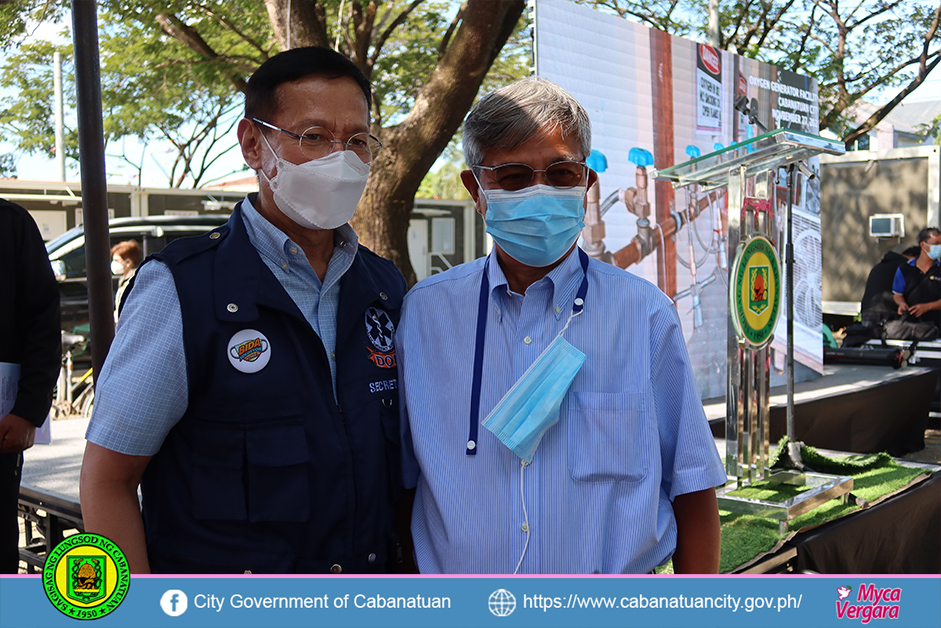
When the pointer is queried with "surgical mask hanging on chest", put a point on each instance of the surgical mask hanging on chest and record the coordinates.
(532, 405)
(321, 193)
(536, 225)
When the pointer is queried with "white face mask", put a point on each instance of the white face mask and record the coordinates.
(321, 193)
(117, 268)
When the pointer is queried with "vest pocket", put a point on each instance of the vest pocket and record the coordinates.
(278, 486)
(251, 472)
(609, 437)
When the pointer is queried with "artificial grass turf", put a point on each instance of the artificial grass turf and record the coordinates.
(746, 536)
(743, 537)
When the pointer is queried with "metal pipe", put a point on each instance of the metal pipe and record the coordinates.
(714, 23)
(645, 242)
(59, 114)
(793, 448)
(94, 183)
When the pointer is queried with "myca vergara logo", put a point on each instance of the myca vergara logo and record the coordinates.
(86, 576)
(870, 603)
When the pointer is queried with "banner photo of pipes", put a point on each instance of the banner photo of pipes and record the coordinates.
(655, 101)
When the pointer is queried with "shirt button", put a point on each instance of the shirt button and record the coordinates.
(293, 250)
(525, 527)
(558, 310)
(471, 445)
(336, 569)
(383, 296)
(333, 355)
(371, 558)
(214, 235)
(342, 243)
(527, 340)
(232, 307)
(284, 265)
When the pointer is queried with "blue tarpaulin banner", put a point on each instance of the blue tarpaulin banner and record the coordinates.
(495, 601)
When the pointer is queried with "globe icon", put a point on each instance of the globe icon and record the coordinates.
(502, 603)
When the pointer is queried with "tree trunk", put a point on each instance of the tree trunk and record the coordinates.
(411, 147)
(306, 26)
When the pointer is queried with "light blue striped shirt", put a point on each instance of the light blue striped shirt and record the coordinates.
(143, 389)
(632, 434)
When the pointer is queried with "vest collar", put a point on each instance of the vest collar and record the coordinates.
(242, 281)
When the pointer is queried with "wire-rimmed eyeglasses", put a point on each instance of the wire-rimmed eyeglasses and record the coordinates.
(561, 174)
(317, 142)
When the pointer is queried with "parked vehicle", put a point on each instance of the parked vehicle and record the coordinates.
(67, 255)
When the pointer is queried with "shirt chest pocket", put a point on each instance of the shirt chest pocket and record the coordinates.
(610, 437)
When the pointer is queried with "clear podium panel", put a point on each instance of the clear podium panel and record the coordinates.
(769, 151)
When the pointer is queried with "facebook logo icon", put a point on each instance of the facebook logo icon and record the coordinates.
(173, 602)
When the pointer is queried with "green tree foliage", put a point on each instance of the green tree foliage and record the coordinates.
(7, 167)
(28, 119)
(173, 70)
(854, 48)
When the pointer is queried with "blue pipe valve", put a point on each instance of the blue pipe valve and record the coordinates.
(640, 157)
(597, 161)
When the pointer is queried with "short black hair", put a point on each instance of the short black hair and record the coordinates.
(927, 233)
(261, 99)
(912, 251)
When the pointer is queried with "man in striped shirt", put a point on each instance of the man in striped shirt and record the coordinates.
(625, 479)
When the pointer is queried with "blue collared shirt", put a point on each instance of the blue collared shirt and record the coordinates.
(143, 389)
(631, 437)
(898, 282)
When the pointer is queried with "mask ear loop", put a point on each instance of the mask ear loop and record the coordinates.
(523, 465)
(577, 308)
(576, 311)
(275, 157)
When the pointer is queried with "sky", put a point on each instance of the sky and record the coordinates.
(156, 158)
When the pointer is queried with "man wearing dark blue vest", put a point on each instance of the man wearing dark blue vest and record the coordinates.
(251, 386)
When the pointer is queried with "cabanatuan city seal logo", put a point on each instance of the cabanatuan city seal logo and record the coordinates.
(86, 576)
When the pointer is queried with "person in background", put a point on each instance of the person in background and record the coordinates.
(551, 420)
(30, 355)
(917, 285)
(251, 387)
(878, 304)
(124, 258)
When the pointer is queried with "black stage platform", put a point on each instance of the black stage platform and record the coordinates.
(852, 408)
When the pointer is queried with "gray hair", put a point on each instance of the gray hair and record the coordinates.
(510, 116)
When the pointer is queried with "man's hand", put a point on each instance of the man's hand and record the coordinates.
(900, 302)
(16, 434)
(921, 308)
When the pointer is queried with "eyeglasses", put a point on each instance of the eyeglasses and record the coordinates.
(317, 142)
(562, 174)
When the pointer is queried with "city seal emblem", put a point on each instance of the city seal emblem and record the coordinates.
(756, 292)
(86, 576)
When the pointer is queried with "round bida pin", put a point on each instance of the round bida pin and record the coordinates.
(248, 351)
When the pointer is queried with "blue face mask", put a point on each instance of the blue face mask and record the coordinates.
(532, 405)
(934, 251)
(536, 225)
